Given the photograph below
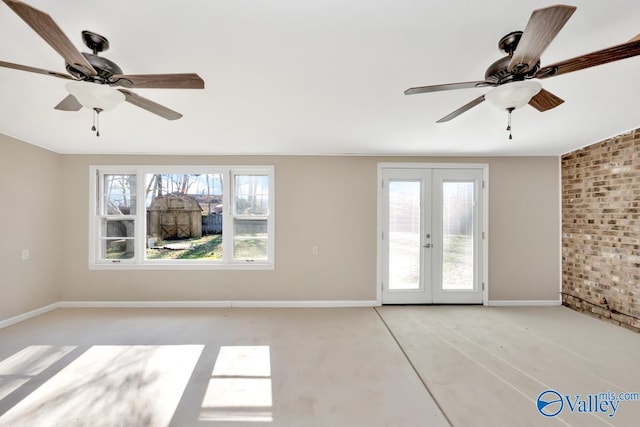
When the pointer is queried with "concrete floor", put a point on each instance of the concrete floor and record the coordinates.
(390, 366)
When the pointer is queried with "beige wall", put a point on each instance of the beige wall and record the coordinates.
(30, 218)
(524, 229)
(329, 202)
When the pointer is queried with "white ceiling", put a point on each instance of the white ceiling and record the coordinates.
(319, 77)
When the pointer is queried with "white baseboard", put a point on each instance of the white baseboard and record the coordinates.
(185, 304)
(28, 315)
(214, 304)
(144, 304)
(305, 304)
(247, 304)
(524, 303)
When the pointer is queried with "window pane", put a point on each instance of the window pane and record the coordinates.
(119, 195)
(118, 228)
(251, 239)
(117, 239)
(181, 215)
(184, 216)
(457, 227)
(118, 249)
(251, 195)
(404, 234)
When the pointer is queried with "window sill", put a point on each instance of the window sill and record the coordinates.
(175, 266)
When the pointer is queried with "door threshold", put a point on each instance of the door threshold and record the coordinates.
(429, 304)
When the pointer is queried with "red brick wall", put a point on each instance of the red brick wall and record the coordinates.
(601, 229)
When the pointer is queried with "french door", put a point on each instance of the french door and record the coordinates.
(431, 235)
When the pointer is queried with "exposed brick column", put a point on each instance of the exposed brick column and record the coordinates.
(601, 229)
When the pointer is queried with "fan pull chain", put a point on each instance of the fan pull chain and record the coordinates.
(510, 110)
(96, 121)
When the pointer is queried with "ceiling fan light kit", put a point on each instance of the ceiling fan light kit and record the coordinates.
(515, 77)
(513, 95)
(94, 96)
(94, 79)
(97, 98)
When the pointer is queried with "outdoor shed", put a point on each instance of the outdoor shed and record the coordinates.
(174, 216)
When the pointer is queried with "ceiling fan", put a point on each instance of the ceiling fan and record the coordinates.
(515, 76)
(96, 82)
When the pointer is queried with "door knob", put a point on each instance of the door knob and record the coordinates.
(428, 245)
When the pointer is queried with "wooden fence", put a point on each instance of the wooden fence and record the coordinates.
(212, 223)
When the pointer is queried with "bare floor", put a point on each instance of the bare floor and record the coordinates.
(390, 366)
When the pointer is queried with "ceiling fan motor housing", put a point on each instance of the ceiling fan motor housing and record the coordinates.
(498, 73)
(105, 69)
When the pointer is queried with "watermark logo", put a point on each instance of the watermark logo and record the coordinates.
(551, 403)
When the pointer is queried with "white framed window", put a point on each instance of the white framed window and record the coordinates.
(192, 217)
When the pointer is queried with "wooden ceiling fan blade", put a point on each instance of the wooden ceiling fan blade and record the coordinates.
(543, 26)
(150, 106)
(47, 28)
(462, 109)
(159, 81)
(70, 103)
(593, 59)
(448, 86)
(545, 100)
(35, 70)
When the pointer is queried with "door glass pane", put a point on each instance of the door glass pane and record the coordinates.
(404, 235)
(457, 229)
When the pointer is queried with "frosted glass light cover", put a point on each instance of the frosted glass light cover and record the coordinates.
(94, 95)
(513, 95)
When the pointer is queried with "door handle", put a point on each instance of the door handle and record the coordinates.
(428, 245)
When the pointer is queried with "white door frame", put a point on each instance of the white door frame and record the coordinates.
(484, 232)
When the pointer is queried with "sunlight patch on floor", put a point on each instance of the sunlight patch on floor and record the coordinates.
(110, 385)
(34, 359)
(240, 386)
(21, 367)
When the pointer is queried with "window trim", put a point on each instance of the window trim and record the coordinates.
(138, 262)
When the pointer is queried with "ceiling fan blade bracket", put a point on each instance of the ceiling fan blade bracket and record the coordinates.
(122, 82)
(545, 72)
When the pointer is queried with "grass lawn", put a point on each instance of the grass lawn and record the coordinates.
(205, 247)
